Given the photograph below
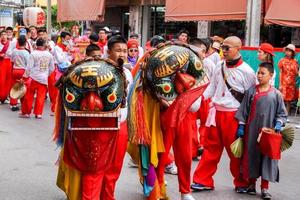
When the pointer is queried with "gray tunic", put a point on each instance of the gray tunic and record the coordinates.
(260, 110)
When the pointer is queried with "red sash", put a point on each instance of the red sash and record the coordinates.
(62, 46)
(5, 47)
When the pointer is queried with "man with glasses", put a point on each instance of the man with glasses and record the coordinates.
(230, 80)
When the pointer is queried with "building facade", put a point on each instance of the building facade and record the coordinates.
(11, 11)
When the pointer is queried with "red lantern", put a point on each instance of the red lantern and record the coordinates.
(34, 16)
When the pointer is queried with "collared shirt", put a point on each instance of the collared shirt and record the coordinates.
(240, 78)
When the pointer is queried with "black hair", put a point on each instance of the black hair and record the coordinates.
(269, 66)
(211, 41)
(183, 31)
(113, 33)
(40, 30)
(134, 35)
(198, 41)
(3, 31)
(27, 30)
(90, 48)
(115, 39)
(207, 42)
(22, 40)
(94, 37)
(293, 54)
(64, 34)
(156, 40)
(102, 29)
(270, 58)
(9, 28)
(40, 42)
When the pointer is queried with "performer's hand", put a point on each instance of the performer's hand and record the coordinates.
(278, 126)
(241, 131)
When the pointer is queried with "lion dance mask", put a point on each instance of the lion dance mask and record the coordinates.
(92, 93)
(170, 79)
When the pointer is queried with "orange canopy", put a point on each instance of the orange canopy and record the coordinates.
(75, 10)
(208, 10)
(284, 13)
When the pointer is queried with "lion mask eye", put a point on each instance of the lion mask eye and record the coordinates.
(69, 97)
(112, 98)
(165, 87)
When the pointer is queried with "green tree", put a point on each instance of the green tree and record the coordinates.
(59, 25)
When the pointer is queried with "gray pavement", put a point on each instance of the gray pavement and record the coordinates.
(28, 171)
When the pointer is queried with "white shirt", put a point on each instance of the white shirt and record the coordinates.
(20, 58)
(60, 56)
(129, 78)
(209, 67)
(240, 78)
(13, 45)
(41, 65)
(215, 57)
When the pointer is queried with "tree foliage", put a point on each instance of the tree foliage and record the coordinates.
(59, 25)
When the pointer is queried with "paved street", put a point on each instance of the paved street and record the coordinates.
(28, 172)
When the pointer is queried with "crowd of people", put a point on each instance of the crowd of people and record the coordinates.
(238, 101)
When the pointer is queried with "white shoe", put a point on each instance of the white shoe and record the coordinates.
(187, 197)
(171, 169)
(288, 121)
(297, 126)
(38, 116)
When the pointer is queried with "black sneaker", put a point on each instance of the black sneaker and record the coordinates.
(241, 190)
(15, 108)
(196, 159)
(197, 187)
(251, 190)
(265, 194)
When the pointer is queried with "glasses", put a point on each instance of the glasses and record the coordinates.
(133, 50)
(226, 48)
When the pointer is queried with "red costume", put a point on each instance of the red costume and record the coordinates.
(5, 71)
(161, 115)
(288, 73)
(91, 129)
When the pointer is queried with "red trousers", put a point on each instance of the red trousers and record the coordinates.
(53, 91)
(194, 133)
(17, 74)
(181, 139)
(5, 78)
(223, 135)
(41, 91)
(101, 186)
(203, 113)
